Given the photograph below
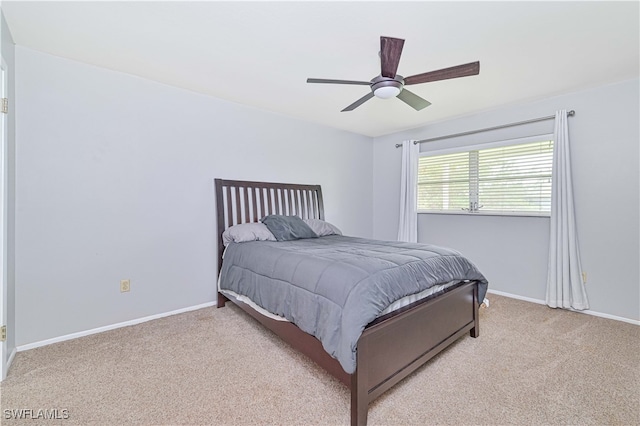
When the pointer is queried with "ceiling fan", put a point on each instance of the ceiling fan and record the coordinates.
(389, 84)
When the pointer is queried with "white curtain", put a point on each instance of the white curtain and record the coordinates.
(565, 288)
(408, 226)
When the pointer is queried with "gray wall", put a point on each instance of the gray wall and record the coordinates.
(513, 251)
(115, 180)
(8, 54)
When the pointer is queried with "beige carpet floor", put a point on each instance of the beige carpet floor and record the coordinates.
(531, 365)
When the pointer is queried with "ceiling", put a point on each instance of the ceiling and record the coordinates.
(261, 53)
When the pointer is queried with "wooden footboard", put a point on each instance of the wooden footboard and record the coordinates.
(391, 349)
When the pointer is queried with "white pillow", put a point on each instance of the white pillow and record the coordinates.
(322, 228)
(247, 232)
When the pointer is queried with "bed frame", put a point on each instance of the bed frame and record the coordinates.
(391, 347)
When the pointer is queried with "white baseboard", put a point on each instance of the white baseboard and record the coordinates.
(12, 355)
(108, 327)
(588, 311)
(515, 296)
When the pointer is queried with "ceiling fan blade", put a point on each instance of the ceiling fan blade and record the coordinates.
(324, 80)
(390, 51)
(359, 102)
(413, 100)
(465, 70)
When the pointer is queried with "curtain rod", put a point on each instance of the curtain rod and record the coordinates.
(534, 120)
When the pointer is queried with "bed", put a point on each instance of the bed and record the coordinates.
(389, 345)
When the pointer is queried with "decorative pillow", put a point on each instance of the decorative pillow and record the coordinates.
(247, 232)
(322, 228)
(286, 228)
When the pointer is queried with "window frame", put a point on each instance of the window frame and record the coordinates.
(477, 147)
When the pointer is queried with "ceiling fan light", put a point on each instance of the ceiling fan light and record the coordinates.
(386, 92)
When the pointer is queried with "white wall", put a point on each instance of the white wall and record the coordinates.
(115, 180)
(8, 54)
(512, 251)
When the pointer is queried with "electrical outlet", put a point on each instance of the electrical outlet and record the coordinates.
(584, 277)
(125, 285)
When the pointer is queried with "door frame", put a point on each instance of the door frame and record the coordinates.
(4, 119)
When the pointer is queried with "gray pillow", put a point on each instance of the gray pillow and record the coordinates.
(286, 228)
(322, 228)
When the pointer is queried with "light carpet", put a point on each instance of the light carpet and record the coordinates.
(531, 365)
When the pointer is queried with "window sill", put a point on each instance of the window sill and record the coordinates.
(486, 213)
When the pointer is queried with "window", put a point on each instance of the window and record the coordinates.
(508, 177)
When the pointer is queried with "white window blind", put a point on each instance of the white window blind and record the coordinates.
(443, 182)
(512, 177)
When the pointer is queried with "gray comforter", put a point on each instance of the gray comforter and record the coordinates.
(332, 287)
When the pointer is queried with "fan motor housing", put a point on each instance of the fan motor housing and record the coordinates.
(385, 87)
(381, 81)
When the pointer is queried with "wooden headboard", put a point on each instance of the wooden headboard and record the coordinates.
(239, 201)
